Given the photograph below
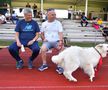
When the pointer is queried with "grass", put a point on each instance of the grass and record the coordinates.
(5, 43)
(82, 44)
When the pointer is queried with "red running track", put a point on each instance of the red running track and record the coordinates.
(25, 79)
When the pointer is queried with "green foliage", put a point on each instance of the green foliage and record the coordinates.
(5, 43)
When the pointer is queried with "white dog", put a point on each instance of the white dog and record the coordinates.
(86, 58)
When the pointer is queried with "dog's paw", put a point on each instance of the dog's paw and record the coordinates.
(91, 79)
(73, 79)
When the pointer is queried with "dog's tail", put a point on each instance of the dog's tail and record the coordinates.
(56, 59)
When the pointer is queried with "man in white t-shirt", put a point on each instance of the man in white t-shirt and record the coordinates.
(52, 36)
(2, 19)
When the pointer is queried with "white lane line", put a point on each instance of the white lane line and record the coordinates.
(34, 87)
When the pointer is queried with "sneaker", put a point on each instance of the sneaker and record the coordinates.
(30, 64)
(43, 67)
(19, 64)
(59, 70)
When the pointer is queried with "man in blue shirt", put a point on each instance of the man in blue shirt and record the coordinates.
(84, 20)
(27, 33)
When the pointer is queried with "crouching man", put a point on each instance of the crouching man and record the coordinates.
(27, 32)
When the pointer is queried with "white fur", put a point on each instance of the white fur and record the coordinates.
(74, 57)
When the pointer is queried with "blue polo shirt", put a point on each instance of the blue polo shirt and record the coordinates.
(27, 30)
(84, 18)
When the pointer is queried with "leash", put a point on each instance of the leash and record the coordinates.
(99, 63)
(97, 51)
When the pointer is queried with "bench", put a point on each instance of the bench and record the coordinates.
(70, 35)
(83, 36)
(71, 32)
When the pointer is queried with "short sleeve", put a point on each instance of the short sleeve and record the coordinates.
(60, 27)
(42, 27)
(37, 27)
(17, 28)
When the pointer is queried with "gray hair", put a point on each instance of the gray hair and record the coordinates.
(27, 10)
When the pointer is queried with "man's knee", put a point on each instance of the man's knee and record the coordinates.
(37, 49)
(43, 48)
(12, 48)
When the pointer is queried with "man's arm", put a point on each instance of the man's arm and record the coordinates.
(61, 41)
(17, 39)
(61, 36)
(34, 39)
(42, 36)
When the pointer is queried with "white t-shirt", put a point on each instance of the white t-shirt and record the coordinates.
(14, 15)
(70, 10)
(3, 18)
(51, 30)
(7, 14)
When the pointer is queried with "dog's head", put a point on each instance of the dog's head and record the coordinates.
(103, 49)
(56, 59)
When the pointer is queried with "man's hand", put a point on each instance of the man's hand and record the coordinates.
(60, 45)
(30, 42)
(44, 40)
